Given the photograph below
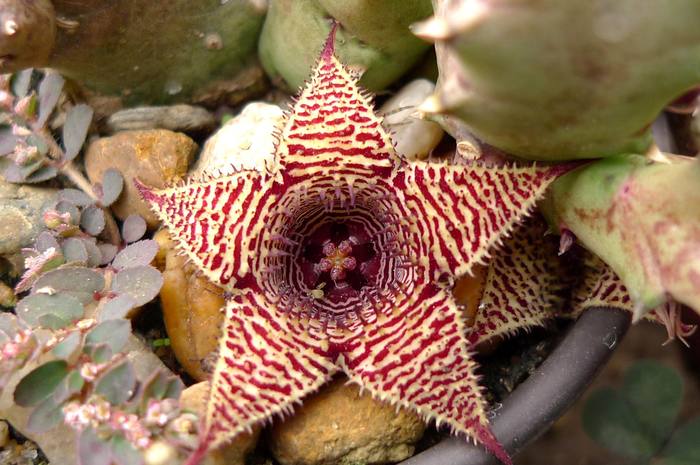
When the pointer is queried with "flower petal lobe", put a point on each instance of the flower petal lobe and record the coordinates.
(264, 366)
(418, 358)
(210, 221)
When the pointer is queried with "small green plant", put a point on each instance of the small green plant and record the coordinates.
(639, 421)
(64, 348)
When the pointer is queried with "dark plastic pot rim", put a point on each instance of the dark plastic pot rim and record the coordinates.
(545, 395)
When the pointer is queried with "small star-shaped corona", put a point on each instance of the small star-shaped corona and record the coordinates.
(340, 257)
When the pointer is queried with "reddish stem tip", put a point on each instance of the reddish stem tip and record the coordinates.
(329, 47)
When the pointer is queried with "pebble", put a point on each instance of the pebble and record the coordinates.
(157, 157)
(338, 425)
(180, 118)
(4, 433)
(194, 398)
(413, 137)
(245, 141)
(192, 311)
(21, 209)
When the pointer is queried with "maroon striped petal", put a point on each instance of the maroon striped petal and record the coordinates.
(601, 287)
(210, 221)
(333, 126)
(264, 367)
(464, 211)
(417, 357)
(523, 286)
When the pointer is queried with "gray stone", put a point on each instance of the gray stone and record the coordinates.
(180, 118)
(21, 209)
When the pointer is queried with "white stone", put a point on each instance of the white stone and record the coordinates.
(413, 137)
(244, 142)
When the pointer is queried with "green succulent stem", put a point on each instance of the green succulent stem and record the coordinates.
(641, 218)
(153, 52)
(374, 38)
(553, 80)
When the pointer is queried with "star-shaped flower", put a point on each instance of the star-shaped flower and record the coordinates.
(341, 256)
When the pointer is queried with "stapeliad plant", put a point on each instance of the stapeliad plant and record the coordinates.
(341, 256)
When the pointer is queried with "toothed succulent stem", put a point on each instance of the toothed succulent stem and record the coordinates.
(561, 80)
(641, 218)
(373, 39)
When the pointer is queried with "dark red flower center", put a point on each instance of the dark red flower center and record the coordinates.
(339, 260)
(337, 254)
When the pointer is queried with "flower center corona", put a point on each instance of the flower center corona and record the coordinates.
(339, 260)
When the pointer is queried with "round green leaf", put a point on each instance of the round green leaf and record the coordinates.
(21, 81)
(74, 251)
(139, 253)
(45, 416)
(93, 251)
(75, 196)
(41, 174)
(655, 392)
(113, 333)
(75, 129)
(611, 421)
(112, 185)
(134, 228)
(92, 450)
(108, 252)
(81, 283)
(45, 241)
(117, 308)
(100, 353)
(64, 206)
(142, 283)
(684, 446)
(68, 346)
(118, 384)
(70, 386)
(49, 91)
(161, 385)
(40, 383)
(52, 321)
(63, 306)
(93, 220)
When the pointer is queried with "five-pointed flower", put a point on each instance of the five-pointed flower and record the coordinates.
(341, 256)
